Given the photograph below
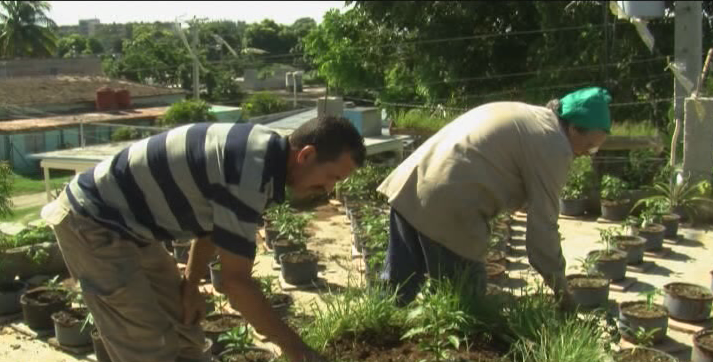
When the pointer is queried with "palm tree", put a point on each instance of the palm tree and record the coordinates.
(26, 30)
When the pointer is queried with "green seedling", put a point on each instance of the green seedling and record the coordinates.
(237, 340)
(588, 265)
(641, 336)
(651, 297)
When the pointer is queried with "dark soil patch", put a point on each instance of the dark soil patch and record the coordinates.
(641, 355)
(653, 229)
(390, 348)
(45, 298)
(249, 356)
(641, 310)
(689, 291)
(299, 257)
(71, 317)
(588, 282)
(221, 323)
(611, 255)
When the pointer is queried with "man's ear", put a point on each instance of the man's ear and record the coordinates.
(306, 154)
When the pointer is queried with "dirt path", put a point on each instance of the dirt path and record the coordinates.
(30, 200)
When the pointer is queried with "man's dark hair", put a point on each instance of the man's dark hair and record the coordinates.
(554, 105)
(331, 136)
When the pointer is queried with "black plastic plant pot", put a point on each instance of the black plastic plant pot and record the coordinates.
(270, 235)
(181, 250)
(703, 346)
(281, 304)
(39, 304)
(216, 278)
(637, 314)
(615, 210)
(217, 324)
(99, 349)
(688, 302)
(10, 293)
(633, 246)
(68, 328)
(643, 354)
(671, 223)
(253, 354)
(496, 274)
(611, 265)
(575, 207)
(654, 235)
(299, 267)
(589, 291)
(283, 247)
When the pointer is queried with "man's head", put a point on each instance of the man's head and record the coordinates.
(323, 151)
(585, 117)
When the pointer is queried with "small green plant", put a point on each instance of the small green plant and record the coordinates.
(651, 297)
(187, 111)
(588, 265)
(642, 336)
(237, 340)
(607, 238)
(362, 184)
(683, 194)
(220, 301)
(55, 285)
(263, 103)
(613, 188)
(88, 321)
(579, 179)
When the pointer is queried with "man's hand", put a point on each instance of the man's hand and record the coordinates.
(566, 302)
(193, 303)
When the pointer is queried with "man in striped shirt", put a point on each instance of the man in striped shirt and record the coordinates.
(208, 181)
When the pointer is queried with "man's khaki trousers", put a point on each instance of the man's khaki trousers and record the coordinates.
(134, 293)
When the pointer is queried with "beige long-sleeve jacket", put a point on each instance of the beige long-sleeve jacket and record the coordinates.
(497, 157)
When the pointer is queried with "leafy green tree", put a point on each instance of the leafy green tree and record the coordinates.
(71, 46)
(26, 30)
(5, 189)
(94, 46)
(271, 37)
(187, 111)
(262, 103)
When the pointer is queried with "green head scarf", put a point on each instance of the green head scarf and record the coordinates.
(587, 108)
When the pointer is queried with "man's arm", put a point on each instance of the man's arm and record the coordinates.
(202, 251)
(245, 295)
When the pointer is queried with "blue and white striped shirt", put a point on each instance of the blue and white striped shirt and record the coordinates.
(188, 182)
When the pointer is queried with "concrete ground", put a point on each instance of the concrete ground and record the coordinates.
(689, 260)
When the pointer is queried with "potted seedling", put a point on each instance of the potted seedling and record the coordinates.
(589, 289)
(33, 251)
(572, 200)
(273, 216)
(72, 326)
(280, 302)
(496, 274)
(181, 249)
(615, 204)
(40, 303)
(239, 346)
(299, 267)
(641, 319)
(293, 234)
(643, 354)
(219, 322)
(687, 302)
(632, 245)
(679, 198)
(651, 231)
(703, 346)
(611, 262)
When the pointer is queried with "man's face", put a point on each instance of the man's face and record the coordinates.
(311, 177)
(587, 143)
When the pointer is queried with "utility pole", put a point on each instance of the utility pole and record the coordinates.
(687, 49)
(294, 89)
(196, 70)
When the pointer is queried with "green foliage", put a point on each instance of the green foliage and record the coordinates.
(262, 103)
(613, 188)
(29, 236)
(355, 312)
(642, 336)
(290, 224)
(187, 111)
(6, 189)
(438, 320)
(267, 285)
(588, 265)
(127, 134)
(237, 340)
(72, 46)
(681, 194)
(421, 119)
(55, 285)
(642, 168)
(634, 129)
(651, 297)
(569, 340)
(362, 183)
(606, 238)
(26, 30)
(579, 179)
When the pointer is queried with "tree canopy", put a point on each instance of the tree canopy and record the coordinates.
(26, 30)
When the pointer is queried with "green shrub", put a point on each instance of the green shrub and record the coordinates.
(421, 119)
(579, 179)
(187, 111)
(125, 134)
(613, 188)
(6, 181)
(263, 103)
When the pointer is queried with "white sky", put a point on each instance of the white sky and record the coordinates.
(284, 12)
